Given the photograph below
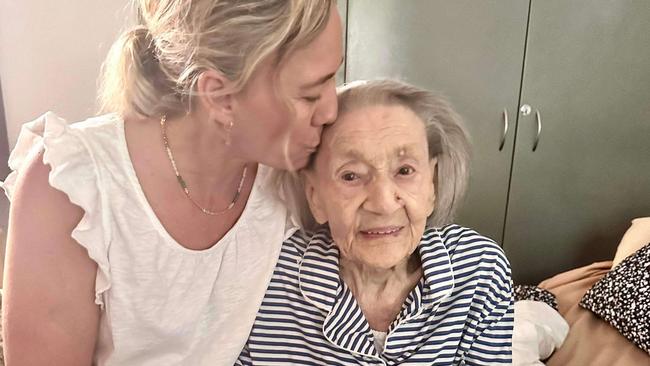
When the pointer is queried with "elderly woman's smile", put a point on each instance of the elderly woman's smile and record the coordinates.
(372, 182)
(381, 232)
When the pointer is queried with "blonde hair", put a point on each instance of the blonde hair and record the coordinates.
(153, 68)
(447, 138)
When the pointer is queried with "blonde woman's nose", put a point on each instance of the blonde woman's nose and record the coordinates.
(327, 109)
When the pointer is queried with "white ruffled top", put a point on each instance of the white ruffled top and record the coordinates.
(162, 304)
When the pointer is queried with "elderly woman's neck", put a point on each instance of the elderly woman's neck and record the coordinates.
(381, 292)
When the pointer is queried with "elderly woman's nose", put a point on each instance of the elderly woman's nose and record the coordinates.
(383, 197)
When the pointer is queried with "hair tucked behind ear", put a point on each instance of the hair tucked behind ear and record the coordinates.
(153, 68)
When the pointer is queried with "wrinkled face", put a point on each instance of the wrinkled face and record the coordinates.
(372, 182)
(279, 116)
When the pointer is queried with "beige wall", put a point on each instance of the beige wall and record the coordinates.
(50, 55)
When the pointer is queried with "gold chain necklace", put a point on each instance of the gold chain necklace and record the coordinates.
(182, 183)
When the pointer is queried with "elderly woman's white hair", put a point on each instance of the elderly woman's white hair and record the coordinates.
(447, 138)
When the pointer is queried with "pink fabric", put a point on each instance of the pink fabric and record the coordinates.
(591, 341)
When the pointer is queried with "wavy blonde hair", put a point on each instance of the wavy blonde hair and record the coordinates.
(152, 69)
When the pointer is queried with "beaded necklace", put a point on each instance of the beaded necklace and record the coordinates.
(182, 183)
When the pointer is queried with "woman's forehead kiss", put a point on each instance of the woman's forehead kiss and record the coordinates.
(375, 135)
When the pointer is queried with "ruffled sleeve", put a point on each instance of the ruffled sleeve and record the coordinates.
(72, 171)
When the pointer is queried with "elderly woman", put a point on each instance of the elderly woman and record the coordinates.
(387, 281)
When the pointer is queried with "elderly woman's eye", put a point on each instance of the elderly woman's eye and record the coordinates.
(406, 170)
(349, 177)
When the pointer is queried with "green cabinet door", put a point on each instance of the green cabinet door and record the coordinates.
(587, 72)
(472, 52)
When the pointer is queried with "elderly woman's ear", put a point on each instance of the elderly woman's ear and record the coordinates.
(433, 163)
(313, 199)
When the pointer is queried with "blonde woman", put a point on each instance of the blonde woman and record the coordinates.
(147, 236)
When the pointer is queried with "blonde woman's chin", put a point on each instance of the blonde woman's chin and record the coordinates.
(297, 160)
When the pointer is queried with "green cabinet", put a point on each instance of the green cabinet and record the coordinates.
(570, 76)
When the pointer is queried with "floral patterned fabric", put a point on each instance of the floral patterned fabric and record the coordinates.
(534, 293)
(622, 298)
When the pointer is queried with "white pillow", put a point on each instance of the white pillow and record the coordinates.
(539, 330)
(635, 237)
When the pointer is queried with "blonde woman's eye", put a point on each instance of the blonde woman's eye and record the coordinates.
(312, 99)
(406, 170)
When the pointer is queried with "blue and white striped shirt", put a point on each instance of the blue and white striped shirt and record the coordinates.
(460, 313)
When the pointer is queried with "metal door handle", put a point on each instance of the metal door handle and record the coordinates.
(505, 129)
(538, 117)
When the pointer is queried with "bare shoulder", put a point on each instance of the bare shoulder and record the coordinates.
(33, 186)
(49, 314)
